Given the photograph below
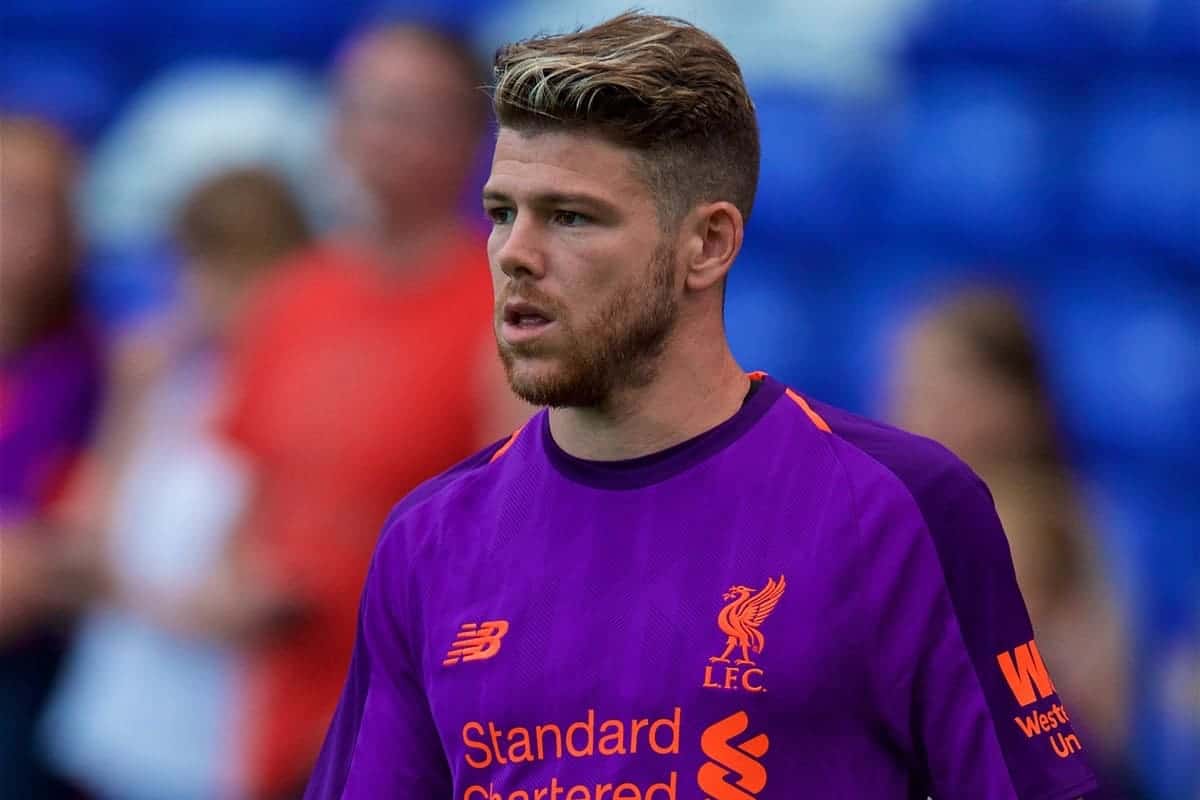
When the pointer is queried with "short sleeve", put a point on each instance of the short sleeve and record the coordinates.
(382, 741)
(987, 721)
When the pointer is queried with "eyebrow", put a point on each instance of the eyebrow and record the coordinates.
(553, 199)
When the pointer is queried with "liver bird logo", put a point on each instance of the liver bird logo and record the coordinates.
(740, 619)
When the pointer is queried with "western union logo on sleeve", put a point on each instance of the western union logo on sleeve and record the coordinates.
(1029, 681)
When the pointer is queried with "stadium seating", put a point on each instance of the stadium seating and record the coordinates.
(1123, 354)
(817, 165)
(969, 162)
(1141, 168)
(76, 86)
(1054, 145)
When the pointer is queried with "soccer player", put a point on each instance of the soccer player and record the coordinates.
(680, 580)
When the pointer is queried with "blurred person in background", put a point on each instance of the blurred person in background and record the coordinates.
(969, 374)
(144, 710)
(51, 378)
(363, 369)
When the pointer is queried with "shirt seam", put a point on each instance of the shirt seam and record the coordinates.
(944, 586)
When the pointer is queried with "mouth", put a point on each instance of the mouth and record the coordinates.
(522, 321)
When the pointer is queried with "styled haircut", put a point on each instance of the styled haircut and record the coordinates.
(659, 86)
(241, 221)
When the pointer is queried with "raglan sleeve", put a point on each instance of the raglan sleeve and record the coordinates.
(382, 741)
(967, 686)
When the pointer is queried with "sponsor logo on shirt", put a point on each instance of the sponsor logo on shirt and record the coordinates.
(733, 771)
(476, 641)
(1029, 681)
(739, 620)
(1026, 673)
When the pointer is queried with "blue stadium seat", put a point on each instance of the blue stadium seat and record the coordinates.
(308, 31)
(1141, 168)
(1149, 511)
(880, 289)
(971, 163)
(777, 320)
(71, 86)
(1174, 31)
(84, 21)
(815, 159)
(1029, 33)
(1123, 357)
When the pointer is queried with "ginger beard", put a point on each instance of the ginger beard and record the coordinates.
(582, 364)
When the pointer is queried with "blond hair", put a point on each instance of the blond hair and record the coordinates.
(659, 86)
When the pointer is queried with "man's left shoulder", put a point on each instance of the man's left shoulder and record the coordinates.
(945, 490)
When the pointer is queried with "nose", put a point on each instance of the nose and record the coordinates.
(517, 249)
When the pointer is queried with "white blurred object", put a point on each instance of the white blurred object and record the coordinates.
(196, 121)
(142, 713)
(845, 45)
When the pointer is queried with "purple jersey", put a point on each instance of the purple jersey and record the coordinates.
(50, 395)
(796, 604)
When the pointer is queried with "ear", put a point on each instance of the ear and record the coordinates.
(713, 234)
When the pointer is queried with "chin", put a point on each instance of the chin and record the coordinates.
(548, 384)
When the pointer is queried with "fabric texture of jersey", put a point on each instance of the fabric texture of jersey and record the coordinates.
(351, 386)
(796, 603)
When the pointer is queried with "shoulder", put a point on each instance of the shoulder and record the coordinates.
(463, 492)
(954, 504)
(888, 471)
(927, 469)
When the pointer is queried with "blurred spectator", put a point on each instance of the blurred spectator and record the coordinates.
(50, 382)
(145, 707)
(190, 123)
(365, 368)
(184, 126)
(970, 376)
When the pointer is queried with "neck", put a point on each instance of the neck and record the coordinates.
(697, 387)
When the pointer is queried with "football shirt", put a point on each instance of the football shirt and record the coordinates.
(797, 603)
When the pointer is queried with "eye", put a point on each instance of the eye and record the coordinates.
(570, 219)
(500, 215)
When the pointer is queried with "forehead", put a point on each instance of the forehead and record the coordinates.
(401, 59)
(566, 163)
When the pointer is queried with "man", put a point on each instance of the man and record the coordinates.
(363, 369)
(681, 580)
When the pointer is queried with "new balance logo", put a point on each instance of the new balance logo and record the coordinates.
(1026, 673)
(476, 642)
(733, 771)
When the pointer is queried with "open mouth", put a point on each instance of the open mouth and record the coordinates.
(523, 320)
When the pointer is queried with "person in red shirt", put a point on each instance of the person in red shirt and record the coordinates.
(362, 370)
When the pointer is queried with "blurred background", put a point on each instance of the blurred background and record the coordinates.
(977, 219)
